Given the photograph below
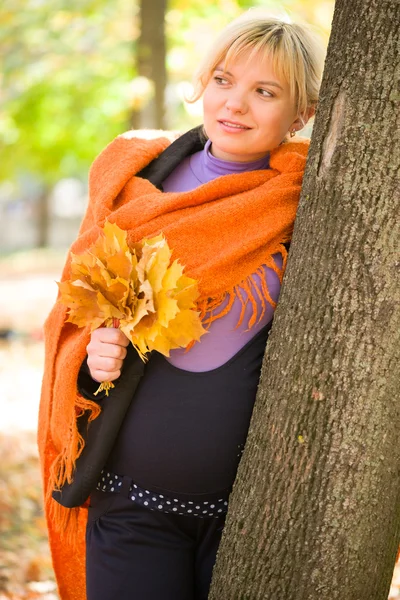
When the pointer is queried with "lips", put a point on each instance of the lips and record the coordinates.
(233, 124)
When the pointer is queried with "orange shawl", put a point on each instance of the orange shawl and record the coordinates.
(222, 231)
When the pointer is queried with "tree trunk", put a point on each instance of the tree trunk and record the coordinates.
(43, 218)
(151, 64)
(315, 510)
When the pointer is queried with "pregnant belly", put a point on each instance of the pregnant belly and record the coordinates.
(184, 431)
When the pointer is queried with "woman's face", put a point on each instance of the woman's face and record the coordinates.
(247, 110)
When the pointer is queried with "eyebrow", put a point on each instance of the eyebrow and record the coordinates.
(274, 83)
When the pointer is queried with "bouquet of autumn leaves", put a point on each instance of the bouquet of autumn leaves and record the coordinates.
(137, 289)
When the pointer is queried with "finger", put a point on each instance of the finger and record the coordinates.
(108, 365)
(98, 348)
(111, 351)
(123, 339)
(110, 335)
(101, 376)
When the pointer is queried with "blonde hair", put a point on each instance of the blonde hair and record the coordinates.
(296, 52)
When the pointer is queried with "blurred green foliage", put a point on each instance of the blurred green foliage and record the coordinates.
(67, 66)
(68, 76)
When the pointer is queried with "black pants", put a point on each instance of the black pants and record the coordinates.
(137, 554)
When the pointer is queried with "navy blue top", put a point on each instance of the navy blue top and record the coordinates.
(184, 432)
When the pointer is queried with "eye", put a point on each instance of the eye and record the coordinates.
(264, 93)
(220, 80)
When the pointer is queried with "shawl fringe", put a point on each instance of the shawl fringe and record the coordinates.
(65, 520)
(210, 308)
(63, 467)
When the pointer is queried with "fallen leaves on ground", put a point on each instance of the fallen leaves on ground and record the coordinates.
(25, 565)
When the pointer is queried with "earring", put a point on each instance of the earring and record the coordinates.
(292, 133)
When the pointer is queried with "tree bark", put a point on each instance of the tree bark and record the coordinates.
(315, 510)
(151, 63)
(43, 218)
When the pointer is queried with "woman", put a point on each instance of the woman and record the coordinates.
(160, 460)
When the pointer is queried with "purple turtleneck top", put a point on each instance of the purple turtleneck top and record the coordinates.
(224, 339)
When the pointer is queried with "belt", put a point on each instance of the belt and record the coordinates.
(110, 482)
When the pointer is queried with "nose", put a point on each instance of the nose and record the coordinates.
(236, 102)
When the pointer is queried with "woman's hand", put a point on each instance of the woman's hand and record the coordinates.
(106, 352)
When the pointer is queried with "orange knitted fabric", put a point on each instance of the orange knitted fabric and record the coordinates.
(222, 231)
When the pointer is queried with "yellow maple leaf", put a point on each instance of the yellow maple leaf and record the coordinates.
(82, 304)
(183, 329)
(186, 292)
(176, 324)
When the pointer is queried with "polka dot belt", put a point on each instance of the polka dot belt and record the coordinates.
(109, 482)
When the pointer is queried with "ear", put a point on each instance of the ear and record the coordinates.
(303, 119)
